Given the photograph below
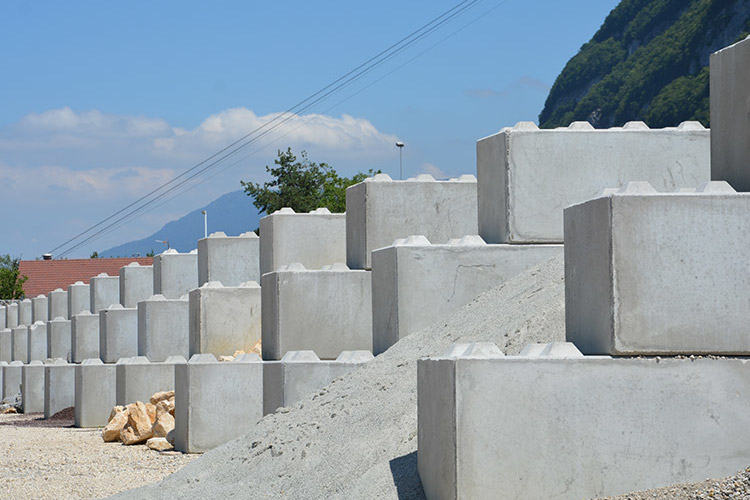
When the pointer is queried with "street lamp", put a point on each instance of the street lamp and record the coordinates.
(205, 224)
(400, 146)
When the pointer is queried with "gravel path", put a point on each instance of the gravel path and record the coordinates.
(730, 488)
(42, 459)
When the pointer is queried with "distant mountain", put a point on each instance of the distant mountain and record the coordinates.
(232, 213)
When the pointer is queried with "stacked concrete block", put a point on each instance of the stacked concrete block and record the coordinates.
(84, 328)
(32, 387)
(39, 309)
(3, 364)
(326, 311)
(105, 291)
(381, 210)
(3, 318)
(138, 379)
(59, 339)
(230, 260)
(300, 373)
(416, 284)
(163, 328)
(25, 312)
(6, 345)
(659, 273)
(12, 378)
(95, 392)
(730, 115)
(315, 239)
(527, 176)
(11, 315)
(175, 274)
(79, 298)
(136, 284)
(37, 341)
(118, 333)
(223, 319)
(57, 303)
(20, 338)
(216, 402)
(59, 386)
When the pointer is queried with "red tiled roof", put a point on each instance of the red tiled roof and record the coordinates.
(47, 275)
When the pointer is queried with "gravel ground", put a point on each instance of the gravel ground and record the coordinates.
(42, 459)
(733, 487)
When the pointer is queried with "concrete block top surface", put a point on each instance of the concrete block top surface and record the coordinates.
(221, 235)
(196, 359)
(91, 361)
(248, 357)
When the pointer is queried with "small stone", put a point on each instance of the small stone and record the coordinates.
(115, 410)
(160, 396)
(164, 422)
(159, 444)
(112, 430)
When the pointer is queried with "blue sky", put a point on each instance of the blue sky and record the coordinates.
(100, 101)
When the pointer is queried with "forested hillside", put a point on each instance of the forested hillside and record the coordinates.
(648, 61)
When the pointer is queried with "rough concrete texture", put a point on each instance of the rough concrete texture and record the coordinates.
(39, 309)
(577, 427)
(3, 318)
(416, 284)
(25, 312)
(230, 260)
(59, 386)
(11, 315)
(300, 373)
(211, 407)
(84, 328)
(57, 304)
(175, 274)
(381, 210)
(315, 239)
(79, 298)
(522, 193)
(32, 387)
(3, 364)
(6, 345)
(326, 311)
(118, 333)
(59, 339)
(37, 341)
(138, 379)
(224, 320)
(359, 434)
(12, 378)
(136, 284)
(657, 273)
(20, 338)
(730, 115)
(163, 328)
(105, 291)
(95, 392)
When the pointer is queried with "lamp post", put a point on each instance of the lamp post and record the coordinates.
(205, 223)
(400, 146)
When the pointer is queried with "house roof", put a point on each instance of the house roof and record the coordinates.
(47, 275)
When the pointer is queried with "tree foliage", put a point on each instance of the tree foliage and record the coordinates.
(11, 284)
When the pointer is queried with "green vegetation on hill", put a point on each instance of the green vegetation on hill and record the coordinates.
(649, 62)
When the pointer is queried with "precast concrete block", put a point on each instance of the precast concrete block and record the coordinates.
(59, 339)
(37, 341)
(84, 334)
(59, 386)
(230, 260)
(416, 284)
(79, 298)
(3, 319)
(20, 338)
(138, 379)
(577, 427)
(326, 311)
(163, 328)
(95, 392)
(3, 364)
(223, 319)
(730, 115)
(381, 210)
(39, 309)
(301, 373)
(118, 333)
(25, 312)
(658, 273)
(57, 304)
(11, 315)
(136, 284)
(175, 274)
(12, 378)
(216, 402)
(105, 291)
(314, 239)
(527, 176)
(6, 345)
(32, 387)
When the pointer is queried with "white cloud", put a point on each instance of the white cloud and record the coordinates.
(436, 172)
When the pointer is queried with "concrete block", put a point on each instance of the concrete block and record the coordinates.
(230, 260)
(138, 379)
(24, 312)
(3, 319)
(163, 328)
(95, 392)
(60, 339)
(658, 273)
(59, 386)
(315, 239)
(37, 341)
(6, 345)
(118, 333)
(20, 338)
(79, 298)
(578, 427)
(84, 330)
(326, 311)
(416, 284)
(300, 373)
(175, 274)
(380, 210)
(136, 284)
(11, 315)
(224, 319)
(105, 291)
(57, 303)
(32, 387)
(527, 176)
(12, 378)
(211, 407)
(3, 364)
(730, 115)
(39, 309)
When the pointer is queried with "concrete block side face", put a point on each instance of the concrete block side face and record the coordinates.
(273, 386)
(136, 285)
(6, 345)
(229, 260)
(79, 299)
(118, 335)
(25, 312)
(3, 317)
(224, 320)
(20, 344)
(12, 375)
(59, 388)
(139, 381)
(181, 407)
(57, 303)
(37, 341)
(104, 291)
(59, 339)
(95, 394)
(32, 388)
(163, 329)
(11, 315)
(39, 310)
(84, 337)
(492, 187)
(269, 289)
(356, 226)
(176, 274)
(385, 297)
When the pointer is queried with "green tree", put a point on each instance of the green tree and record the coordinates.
(94, 255)
(11, 284)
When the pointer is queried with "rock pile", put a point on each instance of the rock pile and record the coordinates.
(11, 404)
(151, 423)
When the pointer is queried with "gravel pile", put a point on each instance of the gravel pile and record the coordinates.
(730, 488)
